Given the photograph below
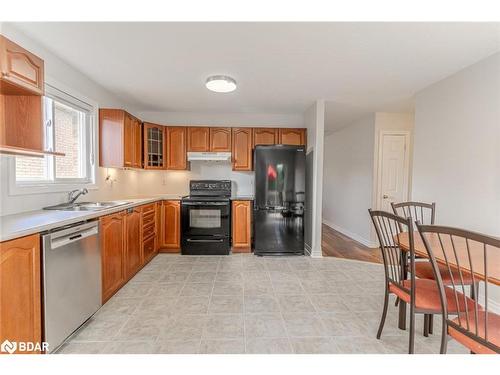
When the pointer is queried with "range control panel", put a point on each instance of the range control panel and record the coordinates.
(210, 188)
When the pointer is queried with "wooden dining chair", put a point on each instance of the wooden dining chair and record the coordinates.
(422, 295)
(460, 251)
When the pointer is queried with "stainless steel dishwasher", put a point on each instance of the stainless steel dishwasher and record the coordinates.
(71, 279)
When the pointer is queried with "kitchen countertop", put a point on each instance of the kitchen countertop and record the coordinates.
(26, 223)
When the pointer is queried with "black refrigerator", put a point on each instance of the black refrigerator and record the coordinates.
(280, 173)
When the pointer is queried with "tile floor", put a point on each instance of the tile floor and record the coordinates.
(246, 304)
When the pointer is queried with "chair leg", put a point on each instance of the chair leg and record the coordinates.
(431, 323)
(474, 288)
(411, 348)
(384, 314)
(444, 337)
(402, 315)
(426, 325)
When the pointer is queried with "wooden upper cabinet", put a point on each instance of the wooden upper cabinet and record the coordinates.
(171, 226)
(22, 73)
(265, 136)
(241, 226)
(295, 137)
(242, 149)
(120, 139)
(177, 148)
(155, 146)
(133, 248)
(220, 139)
(21, 90)
(198, 139)
(20, 296)
(112, 253)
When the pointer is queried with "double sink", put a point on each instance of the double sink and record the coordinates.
(86, 206)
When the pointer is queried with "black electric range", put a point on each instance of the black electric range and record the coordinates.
(206, 218)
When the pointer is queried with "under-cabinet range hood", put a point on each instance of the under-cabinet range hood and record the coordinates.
(209, 156)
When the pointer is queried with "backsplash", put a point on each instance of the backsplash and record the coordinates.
(177, 182)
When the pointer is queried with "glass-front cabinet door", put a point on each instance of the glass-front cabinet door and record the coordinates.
(154, 146)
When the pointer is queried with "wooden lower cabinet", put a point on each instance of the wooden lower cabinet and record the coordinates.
(170, 226)
(20, 297)
(133, 242)
(241, 213)
(112, 253)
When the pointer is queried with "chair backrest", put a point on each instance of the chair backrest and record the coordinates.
(388, 228)
(464, 254)
(423, 212)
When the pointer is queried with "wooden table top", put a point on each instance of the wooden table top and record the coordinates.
(476, 252)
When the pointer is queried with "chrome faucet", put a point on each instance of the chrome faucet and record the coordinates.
(74, 194)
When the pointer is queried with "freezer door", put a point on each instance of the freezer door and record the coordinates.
(278, 232)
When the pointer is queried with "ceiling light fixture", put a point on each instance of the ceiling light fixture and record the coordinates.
(220, 83)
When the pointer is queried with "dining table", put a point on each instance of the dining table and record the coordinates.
(488, 271)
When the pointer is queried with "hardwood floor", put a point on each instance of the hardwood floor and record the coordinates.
(335, 244)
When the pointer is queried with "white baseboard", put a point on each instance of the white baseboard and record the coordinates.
(351, 235)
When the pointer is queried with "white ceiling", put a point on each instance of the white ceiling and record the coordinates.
(279, 67)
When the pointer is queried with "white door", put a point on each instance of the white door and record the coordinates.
(393, 170)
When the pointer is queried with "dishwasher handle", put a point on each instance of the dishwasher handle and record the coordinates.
(77, 234)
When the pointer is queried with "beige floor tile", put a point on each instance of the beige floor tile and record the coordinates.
(304, 325)
(265, 325)
(313, 345)
(224, 327)
(260, 345)
(231, 346)
(228, 288)
(260, 304)
(177, 347)
(295, 303)
(226, 305)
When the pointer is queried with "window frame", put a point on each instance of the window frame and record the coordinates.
(58, 91)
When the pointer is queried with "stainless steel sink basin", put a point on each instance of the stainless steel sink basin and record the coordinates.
(86, 206)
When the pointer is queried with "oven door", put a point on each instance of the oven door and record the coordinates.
(205, 219)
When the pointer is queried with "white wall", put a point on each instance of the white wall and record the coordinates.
(314, 120)
(457, 147)
(348, 179)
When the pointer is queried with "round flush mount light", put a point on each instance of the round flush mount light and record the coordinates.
(220, 83)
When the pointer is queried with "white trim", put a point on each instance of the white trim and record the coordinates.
(378, 175)
(351, 235)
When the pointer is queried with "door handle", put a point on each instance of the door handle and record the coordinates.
(209, 241)
(385, 196)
